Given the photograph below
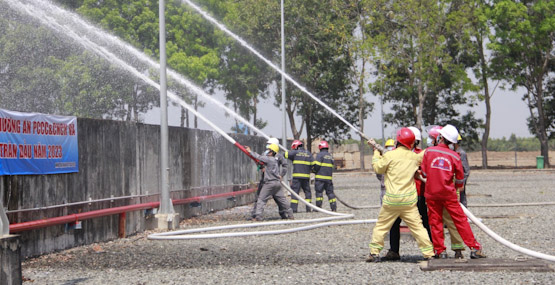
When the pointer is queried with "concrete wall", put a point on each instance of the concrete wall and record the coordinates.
(122, 159)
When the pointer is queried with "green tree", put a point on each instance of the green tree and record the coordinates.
(422, 62)
(523, 48)
(45, 72)
(27, 78)
(481, 30)
(317, 36)
(192, 50)
(362, 50)
(192, 44)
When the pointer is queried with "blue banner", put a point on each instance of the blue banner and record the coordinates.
(32, 143)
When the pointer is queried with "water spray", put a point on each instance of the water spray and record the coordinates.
(147, 60)
(180, 79)
(104, 53)
(276, 68)
(109, 56)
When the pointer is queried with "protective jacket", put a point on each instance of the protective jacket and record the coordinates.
(323, 165)
(439, 165)
(282, 162)
(399, 166)
(272, 172)
(302, 162)
(464, 161)
(417, 181)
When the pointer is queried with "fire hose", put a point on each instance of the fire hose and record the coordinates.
(103, 52)
(174, 235)
(503, 241)
(324, 222)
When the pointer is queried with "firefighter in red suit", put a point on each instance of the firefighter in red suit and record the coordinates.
(440, 165)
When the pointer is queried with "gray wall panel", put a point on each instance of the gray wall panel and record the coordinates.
(122, 159)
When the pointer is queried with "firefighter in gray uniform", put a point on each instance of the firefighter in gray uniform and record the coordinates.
(272, 185)
(323, 167)
(302, 164)
(282, 162)
(466, 168)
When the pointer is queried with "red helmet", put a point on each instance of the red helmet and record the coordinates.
(406, 137)
(296, 144)
(323, 144)
(433, 132)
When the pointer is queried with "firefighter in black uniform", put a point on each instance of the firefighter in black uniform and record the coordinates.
(323, 167)
(302, 163)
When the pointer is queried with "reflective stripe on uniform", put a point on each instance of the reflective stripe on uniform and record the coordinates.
(400, 203)
(322, 164)
(457, 246)
(323, 177)
(333, 200)
(319, 198)
(444, 152)
(301, 175)
(427, 249)
(301, 162)
(308, 200)
(375, 245)
(294, 201)
(400, 195)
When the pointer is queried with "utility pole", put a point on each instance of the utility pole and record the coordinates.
(164, 175)
(284, 129)
(381, 106)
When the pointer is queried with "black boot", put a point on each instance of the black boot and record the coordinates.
(308, 209)
(333, 206)
(294, 207)
(319, 204)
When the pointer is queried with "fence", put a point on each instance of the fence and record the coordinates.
(121, 159)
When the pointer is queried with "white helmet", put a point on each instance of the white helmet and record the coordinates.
(417, 134)
(450, 133)
(272, 141)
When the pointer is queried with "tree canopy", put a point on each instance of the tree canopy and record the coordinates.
(429, 59)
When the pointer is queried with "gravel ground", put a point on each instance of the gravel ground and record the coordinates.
(332, 255)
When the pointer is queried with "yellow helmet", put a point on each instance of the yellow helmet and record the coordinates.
(390, 142)
(459, 138)
(273, 147)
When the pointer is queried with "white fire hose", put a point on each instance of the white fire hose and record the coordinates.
(324, 222)
(503, 241)
(181, 234)
(103, 52)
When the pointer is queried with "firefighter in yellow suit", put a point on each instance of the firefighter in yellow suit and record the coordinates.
(399, 167)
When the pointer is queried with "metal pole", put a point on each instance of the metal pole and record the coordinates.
(381, 106)
(284, 128)
(164, 176)
(4, 222)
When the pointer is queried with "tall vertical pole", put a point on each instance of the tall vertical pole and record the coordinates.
(165, 193)
(381, 106)
(284, 129)
(4, 222)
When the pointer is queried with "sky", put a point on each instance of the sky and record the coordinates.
(509, 114)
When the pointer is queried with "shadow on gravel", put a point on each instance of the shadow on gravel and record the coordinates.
(75, 281)
(410, 259)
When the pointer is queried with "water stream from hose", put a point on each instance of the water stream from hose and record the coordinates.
(47, 20)
(271, 64)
